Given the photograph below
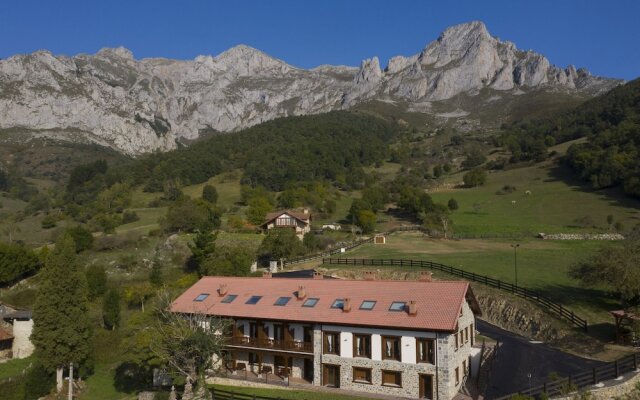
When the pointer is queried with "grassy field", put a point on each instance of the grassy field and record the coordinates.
(542, 265)
(286, 394)
(14, 367)
(555, 204)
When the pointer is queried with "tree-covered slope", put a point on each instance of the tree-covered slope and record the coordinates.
(333, 146)
(611, 124)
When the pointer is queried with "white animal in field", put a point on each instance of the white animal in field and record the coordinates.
(513, 202)
(527, 192)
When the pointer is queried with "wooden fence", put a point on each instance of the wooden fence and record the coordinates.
(548, 304)
(219, 394)
(317, 256)
(575, 382)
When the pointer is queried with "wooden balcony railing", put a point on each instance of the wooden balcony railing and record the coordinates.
(291, 345)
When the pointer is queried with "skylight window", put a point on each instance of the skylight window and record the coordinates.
(229, 298)
(398, 306)
(310, 302)
(201, 297)
(368, 305)
(282, 301)
(338, 303)
(253, 300)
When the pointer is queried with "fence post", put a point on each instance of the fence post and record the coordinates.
(617, 367)
(635, 361)
(595, 376)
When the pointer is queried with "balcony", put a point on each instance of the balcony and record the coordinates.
(271, 344)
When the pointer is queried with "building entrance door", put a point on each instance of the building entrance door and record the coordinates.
(308, 369)
(426, 386)
(331, 375)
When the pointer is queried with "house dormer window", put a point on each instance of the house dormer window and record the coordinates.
(285, 220)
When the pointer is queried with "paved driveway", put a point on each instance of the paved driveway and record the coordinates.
(518, 357)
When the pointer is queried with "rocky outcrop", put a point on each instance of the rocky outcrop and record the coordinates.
(581, 236)
(138, 106)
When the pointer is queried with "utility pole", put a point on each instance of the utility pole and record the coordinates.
(515, 260)
(70, 381)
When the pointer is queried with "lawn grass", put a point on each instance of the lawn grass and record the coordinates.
(149, 220)
(15, 367)
(286, 394)
(227, 185)
(542, 265)
(554, 205)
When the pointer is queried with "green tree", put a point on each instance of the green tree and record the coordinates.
(259, 206)
(191, 215)
(475, 177)
(189, 343)
(82, 237)
(16, 262)
(202, 246)
(111, 309)
(228, 260)
(96, 281)
(615, 267)
(280, 243)
(210, 194)
(61, 331)
(136, 294)
(367, 221)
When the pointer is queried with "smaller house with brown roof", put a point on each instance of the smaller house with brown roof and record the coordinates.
(15, 330)
(298, 220)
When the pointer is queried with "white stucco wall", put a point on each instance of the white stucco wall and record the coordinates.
(22, 346)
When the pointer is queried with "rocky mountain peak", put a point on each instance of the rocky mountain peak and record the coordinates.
(116, 52)
(148, 105)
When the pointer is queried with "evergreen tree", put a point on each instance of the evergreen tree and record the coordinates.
(61, 331)
(111, 309)
(155, 276)
(96, 281)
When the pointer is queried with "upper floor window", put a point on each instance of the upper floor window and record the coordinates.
(362, 345)
(425, 351)
(201, 297)
(229, 298)
(338, 303)
(368, 305)
(310, 302)
(398, 306)
(285, 221)
(253, 300)
(331, 343)
(390, 348)
(282, 301)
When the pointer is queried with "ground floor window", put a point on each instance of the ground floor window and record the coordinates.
(361, 375)
(457, 376)
(392, 378)
(331, 375)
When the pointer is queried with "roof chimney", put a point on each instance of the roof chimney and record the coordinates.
(305, 211)
(302, 293)
(318, 275)
(369, 276)
(413, 307)
(346, 306)
(425, 276)
(222, 289)
(267, 274)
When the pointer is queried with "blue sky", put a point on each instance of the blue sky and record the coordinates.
(603, 36)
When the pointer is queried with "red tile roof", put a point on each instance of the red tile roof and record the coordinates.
(5, 334)
(438, 302)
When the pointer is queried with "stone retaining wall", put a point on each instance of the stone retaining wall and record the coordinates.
(581, 236)
(610, 392)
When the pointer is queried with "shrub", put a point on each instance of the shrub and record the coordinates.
(452, 204)
(210, 194)
(38, 382)
(111, 309)
(129, 216)
(48, 222)
(16, 262)
(475, 177)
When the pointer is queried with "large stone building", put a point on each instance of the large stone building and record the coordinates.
(401, 338)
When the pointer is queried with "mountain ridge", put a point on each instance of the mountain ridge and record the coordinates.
(146, 105)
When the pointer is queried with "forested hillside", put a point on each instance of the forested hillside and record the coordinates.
(611, 124)
(333, 146)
